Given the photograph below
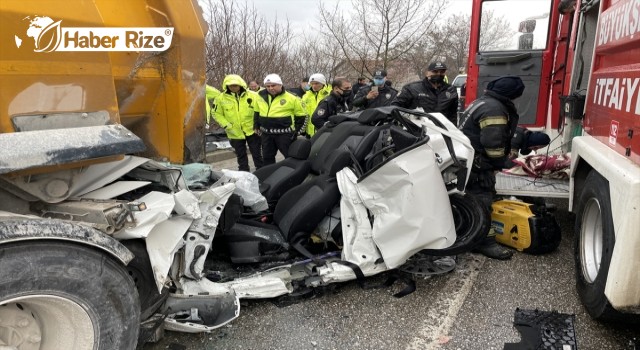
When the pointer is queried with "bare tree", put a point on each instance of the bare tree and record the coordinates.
(378, 32)
(401, 36)
(240, 41)
(315, 54)
(450, 43)
(495, 32)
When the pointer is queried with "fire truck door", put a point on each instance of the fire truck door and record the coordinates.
(521, 50)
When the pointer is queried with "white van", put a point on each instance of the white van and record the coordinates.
(458, 81)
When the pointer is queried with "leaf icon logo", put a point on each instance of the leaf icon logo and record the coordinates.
(49, 38)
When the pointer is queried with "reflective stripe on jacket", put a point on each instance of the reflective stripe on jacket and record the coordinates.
(234, 112)
(489, 123)
(311, 99)
(279, 114)
(210, 94)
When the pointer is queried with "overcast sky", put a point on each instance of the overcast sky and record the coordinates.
(302, 13)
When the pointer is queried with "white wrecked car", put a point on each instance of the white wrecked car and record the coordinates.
(372, 191)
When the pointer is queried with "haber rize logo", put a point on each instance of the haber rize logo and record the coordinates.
(45, 33)
(49, 35)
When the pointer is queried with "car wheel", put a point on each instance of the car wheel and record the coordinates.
(471, 223)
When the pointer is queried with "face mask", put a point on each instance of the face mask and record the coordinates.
(346, 92)
(436, 79)
(307, 87)
(378, 82)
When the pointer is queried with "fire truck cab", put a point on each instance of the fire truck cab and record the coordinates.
(580, 62)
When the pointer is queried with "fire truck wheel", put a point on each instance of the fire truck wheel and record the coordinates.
(594, 242)
(55, 294)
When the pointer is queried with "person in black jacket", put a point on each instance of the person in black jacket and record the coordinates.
(362, 82)
(300, 90)
(432, 93)
(489, 123)
(336, 102)
(379, 94)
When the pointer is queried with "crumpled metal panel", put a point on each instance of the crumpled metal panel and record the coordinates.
(405, 196)
(63, 146)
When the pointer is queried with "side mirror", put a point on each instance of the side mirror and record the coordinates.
(527, 26)
(525, 41)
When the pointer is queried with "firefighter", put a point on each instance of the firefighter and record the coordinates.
(319, 91)
(279, 117)
(379, 94)
(432, 93)
(335, 103)
(234, 111)
(489, 123)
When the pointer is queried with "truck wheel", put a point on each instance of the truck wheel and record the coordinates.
(141, 272)
(57, 295)
(594, 242)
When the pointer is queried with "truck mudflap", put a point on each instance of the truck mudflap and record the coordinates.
(62, 146)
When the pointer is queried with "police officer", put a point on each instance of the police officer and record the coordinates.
(302, 88)
(210, 94)
(279, 117)
(379, 94)
(432, 93)
(319, 91)
(234, 112)
(489, 123)
(254, 86)
(335, 103)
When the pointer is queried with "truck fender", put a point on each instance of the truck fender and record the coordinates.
(18, 229)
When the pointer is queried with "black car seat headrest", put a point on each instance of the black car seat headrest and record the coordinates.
(299, 149)
(336, 162)
(374, 115)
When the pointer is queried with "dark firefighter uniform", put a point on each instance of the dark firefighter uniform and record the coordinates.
(489, 123)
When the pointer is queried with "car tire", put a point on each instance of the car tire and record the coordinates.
(471, 222)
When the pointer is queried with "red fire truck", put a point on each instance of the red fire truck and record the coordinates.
(580, 62)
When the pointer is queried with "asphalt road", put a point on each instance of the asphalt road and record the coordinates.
(471, 308)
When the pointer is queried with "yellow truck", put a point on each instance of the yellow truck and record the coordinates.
(82, 83)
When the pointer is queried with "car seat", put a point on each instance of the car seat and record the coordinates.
(276, 179)
(296, 216)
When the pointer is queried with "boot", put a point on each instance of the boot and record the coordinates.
(491, 249)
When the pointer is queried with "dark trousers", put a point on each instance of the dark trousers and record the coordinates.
(482, 187)
(272, 143)
(255, 146)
